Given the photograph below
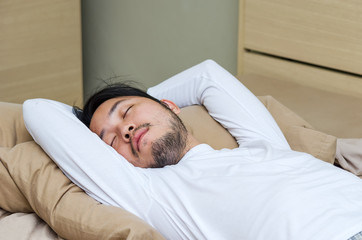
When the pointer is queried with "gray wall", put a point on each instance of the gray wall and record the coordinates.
(151, 40)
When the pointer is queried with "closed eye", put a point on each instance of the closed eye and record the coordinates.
(125, 113)
(112, 141)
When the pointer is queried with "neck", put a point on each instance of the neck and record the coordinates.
(191, 142)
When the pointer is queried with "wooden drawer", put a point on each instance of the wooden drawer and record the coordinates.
(325, 33)
(303, 74)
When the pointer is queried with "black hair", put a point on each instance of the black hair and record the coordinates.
(108, 92)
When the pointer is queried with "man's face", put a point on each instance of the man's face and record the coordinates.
(141, 130)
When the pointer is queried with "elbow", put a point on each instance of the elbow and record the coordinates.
(29, 106)
(32, 112)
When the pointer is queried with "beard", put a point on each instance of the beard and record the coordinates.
(170, 148)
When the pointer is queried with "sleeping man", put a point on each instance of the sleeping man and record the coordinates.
(140, 157)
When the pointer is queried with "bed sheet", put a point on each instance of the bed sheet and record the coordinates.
(24, 226)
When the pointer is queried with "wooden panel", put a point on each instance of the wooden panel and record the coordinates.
(302, 74)
(336, 114)
(40, 50)
(326, 33)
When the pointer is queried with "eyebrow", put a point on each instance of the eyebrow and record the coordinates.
(114, 107)
(110, 112)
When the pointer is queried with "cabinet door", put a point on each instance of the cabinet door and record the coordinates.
(324, 33)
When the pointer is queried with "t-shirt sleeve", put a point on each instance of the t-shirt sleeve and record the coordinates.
(227, 100)
(84, 158)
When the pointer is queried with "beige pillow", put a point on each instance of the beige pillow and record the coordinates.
(11, 198)
(300, 135)
(205, 129)
(64, 206)
(12, 129)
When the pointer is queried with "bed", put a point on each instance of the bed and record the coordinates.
(38, 202)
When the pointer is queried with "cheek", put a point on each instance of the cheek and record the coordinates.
(146, 117)
(151, 114)
(124, 152)
(95, 125)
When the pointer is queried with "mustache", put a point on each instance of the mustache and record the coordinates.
(142, 126)
(145, 125)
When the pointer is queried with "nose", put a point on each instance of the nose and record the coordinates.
(127, 131)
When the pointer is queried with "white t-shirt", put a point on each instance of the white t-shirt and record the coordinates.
(261, 190)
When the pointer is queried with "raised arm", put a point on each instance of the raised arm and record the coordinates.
(84, 157)
(227, 100)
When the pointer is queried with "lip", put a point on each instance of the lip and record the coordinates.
(138, 137)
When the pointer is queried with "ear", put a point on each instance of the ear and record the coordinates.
(171, 105)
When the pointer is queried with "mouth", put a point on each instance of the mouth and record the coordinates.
(137, 138)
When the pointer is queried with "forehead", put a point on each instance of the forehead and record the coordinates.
(104, 110)
(110, 103)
